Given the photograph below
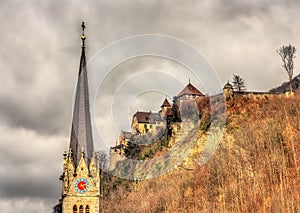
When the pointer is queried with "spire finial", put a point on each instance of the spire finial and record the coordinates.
(83, 36)
(189, 80)
(82, 152)
(70, 152)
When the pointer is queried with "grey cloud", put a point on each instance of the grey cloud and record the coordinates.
(40, 50)
(30, 164)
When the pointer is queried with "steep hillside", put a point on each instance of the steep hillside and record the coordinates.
(255, 168)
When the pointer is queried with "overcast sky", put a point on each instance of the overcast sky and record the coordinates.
(40, 51)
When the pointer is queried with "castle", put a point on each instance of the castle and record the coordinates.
(229, 93)
(188, 103)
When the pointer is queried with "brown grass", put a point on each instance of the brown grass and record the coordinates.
(255, 169)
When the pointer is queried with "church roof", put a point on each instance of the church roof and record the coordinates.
(190, 90)
(81, 131)
(147, 117)
(166, 103)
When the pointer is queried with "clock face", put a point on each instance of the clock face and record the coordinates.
(82, 185)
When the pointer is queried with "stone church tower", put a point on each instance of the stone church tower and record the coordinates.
(80, 178)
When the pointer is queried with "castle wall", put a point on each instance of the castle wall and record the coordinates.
(115, 156)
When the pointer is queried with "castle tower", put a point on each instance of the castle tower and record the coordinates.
(186, 101)
(189, 92)
(228, 91)
(80, 178)
(165, 108)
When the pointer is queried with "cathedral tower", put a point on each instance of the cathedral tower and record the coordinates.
(80, 178)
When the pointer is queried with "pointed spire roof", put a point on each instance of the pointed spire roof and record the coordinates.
(228, 85)
(165, 103)
(81, 132)
(190, 90)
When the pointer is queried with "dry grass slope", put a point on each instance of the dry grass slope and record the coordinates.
(255, 169)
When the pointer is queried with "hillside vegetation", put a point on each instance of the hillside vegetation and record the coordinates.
(255, 168)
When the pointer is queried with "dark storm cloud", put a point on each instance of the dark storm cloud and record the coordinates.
(29, 185)
(34, 55)
(235, 9)
(30, 164)
(40, 50)
(42, 45)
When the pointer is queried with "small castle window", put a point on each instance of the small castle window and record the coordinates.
(150, 126)
(74, 209)
(87, 209)
(81, 209)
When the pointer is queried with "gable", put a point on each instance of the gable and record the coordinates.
(190, 90)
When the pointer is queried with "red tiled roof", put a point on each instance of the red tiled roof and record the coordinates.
(190, 90)
(148, 117)
(166, 103)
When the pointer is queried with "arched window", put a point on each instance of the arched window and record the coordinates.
(81, 209)
(74, 209)
(87, 209)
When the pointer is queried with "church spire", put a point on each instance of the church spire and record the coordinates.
(83, 37)
(81, 132)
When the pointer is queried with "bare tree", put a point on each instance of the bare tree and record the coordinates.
(287, 54)
(238, 83)
(102, 159)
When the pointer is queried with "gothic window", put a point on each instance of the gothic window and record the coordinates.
(74, 209)
(87, 209)
(81, 209)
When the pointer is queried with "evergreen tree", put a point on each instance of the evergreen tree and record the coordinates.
(238, 83)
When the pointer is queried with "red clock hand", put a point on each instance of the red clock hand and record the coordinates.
(81, 185)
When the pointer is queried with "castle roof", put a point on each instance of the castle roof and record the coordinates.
(228, 86)
(147, 117)
(190, 90)
(166, 103)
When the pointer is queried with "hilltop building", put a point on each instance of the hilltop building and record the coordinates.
(125, 137)
(189, 102)
(229, 93)
(166, 109)
(144, 122)
(80, 178)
